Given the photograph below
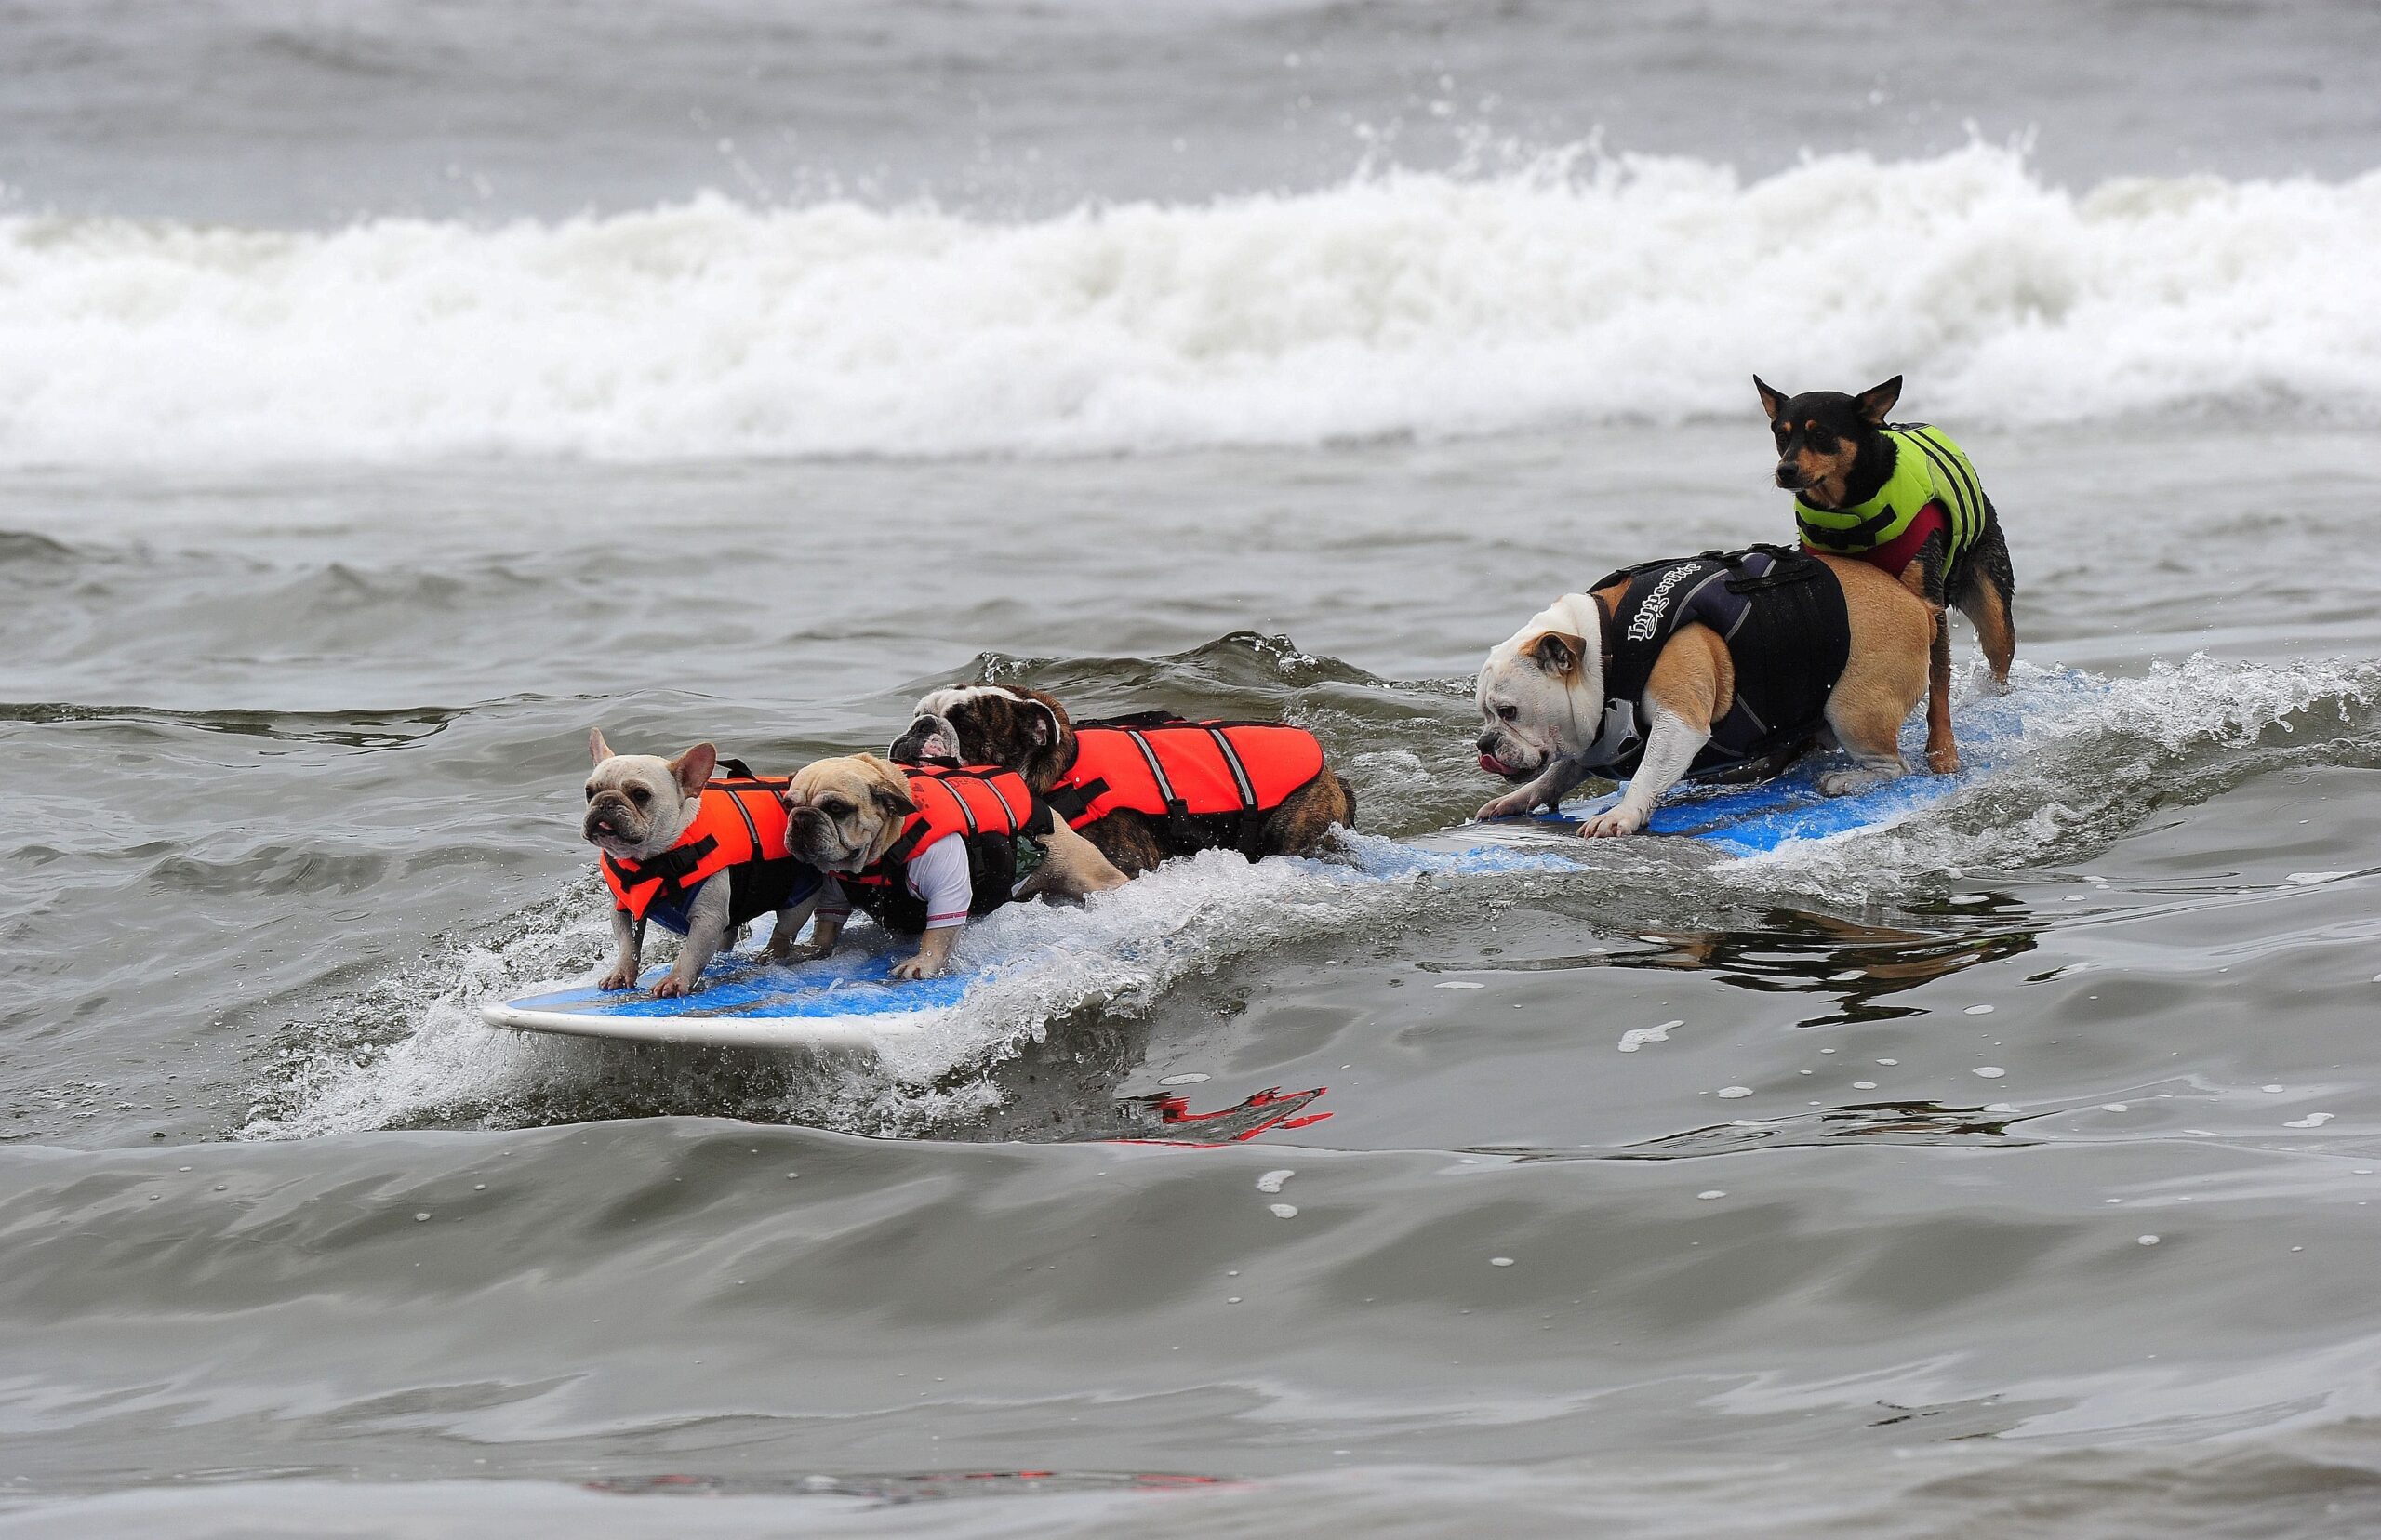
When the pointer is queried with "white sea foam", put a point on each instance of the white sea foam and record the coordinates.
(2075, 761)
(415, 1049)
(1580, 288)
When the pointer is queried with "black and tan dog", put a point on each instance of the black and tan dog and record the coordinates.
(1710, 666)
(1147, 788)
(1902, 497)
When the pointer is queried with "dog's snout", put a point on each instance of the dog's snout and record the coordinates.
(1789, 475)
(1486, 742)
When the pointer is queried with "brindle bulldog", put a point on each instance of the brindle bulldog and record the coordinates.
(1147, 788)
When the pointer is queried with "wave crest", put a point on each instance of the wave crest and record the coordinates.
(1573, 289)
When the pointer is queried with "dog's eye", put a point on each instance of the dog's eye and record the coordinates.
(639, 795)
(834, 807)
(1507, 713)
(591, 793)
(1820, 440)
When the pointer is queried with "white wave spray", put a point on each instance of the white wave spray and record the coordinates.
(1577, 289)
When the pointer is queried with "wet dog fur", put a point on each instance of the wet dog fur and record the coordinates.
(1030, 731)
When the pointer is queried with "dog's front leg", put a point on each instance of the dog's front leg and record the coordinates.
(706, 933)
(1552, 785)
(1072, 867)
(782, 946)
(628, 946)
(933, 955)
(1671, 746)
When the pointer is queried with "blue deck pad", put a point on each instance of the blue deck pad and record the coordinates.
(1753, 819)
(739, 985)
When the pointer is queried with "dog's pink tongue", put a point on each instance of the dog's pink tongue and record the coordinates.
(1494, 765)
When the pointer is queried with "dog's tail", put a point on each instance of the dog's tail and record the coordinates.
(1347, 801)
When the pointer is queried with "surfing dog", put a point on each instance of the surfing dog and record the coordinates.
(924, 850)
(1716, 665)
(695, 855)
(1905, 499)
(1146, 788)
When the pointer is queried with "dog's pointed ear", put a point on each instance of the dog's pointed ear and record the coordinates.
(693, 768)
(596, 746)
(1556, 653)
(1876, 401)
(1771, 402)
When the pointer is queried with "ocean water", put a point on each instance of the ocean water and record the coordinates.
(390, 392)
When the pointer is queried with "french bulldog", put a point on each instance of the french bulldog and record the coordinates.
(639, 807)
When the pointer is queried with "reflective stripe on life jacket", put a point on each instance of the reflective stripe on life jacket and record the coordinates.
(1781, 614)
(1928, 468)
(1166, 767)
(986, 806)
(740, 823)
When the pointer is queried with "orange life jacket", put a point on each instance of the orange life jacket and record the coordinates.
(740, 828)
(985, 805)
(1228, 775)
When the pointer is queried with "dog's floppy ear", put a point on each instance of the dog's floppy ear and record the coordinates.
(693, 768)
(1556, 653)
(888, 786)
(1771, 403)
(1876, 401)
(1045, 722)
(596, 746)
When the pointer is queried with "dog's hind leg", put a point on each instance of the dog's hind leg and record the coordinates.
(1985, 599)
(1072, 867)
(1942, 748)
(1923, 578)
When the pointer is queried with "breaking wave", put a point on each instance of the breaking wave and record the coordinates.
(1577, 288)
(2066, 763)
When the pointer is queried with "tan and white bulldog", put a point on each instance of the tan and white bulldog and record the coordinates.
(1545, 726)
(846, 813)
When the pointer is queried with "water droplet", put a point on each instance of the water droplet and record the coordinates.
(1271, 1181)
(1733, 1090)
(1990, 1072)
(1285, 1211)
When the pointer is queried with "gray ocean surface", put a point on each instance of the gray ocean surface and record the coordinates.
(390, 392)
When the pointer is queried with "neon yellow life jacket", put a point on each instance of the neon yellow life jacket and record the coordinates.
(1927, 468)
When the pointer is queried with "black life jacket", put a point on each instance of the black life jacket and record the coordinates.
(1781, 614)
(988, 807)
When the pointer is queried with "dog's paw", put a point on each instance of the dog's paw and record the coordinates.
(787, 953)
(1511, 805)
(1944, 760)
(673, 988)
(912, 969)
(1605, 826)
(1843, 783)
(619, 979)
